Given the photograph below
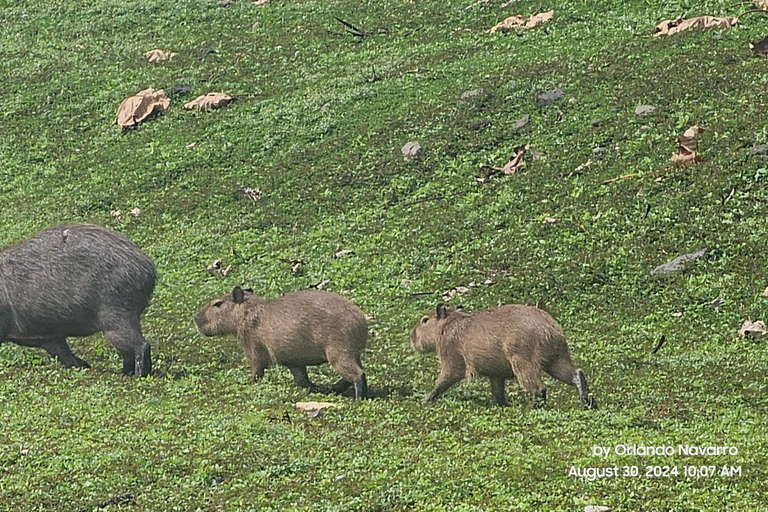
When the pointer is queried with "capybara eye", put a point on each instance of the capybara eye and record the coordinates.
(424, 320)
(218, 303)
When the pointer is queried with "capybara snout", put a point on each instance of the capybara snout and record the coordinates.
(511, 341)
(297, 330)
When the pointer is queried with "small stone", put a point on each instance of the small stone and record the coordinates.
(617, 109)
(644, 110)
(758, 151)
(405, 282)
(550, 97)
(678, 263)
(596, 508)
(466, 95)
(645, 128)
(573, 101)
(597, 150)
(521, 122)
(181, 89)
(677, 315)
(411, 151)
(765, 292)
(340, 478)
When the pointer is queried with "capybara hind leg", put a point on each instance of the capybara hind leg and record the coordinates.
(59, 349)
(529, 377)
(127, 339)
(341, 386)
(350, 370)
(586, 398)
(444, 382)
(301, 378)
(497, 390)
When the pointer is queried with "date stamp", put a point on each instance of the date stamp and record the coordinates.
(593, 473)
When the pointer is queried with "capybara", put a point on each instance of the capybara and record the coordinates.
(499, 343)
(76, 281)
(297, 330)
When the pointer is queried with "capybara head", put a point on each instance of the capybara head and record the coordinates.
(425, 333)
(220, 316)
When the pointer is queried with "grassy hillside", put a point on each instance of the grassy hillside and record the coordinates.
(318, 124)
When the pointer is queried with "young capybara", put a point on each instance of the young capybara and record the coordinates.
(499, 343)
(76, 281)
(297, 330)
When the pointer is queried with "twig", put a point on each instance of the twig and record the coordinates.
(659, 344)
(351, 29)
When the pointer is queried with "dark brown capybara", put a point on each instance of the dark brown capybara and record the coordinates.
(510, 341)
(73, 281)
(297, 330)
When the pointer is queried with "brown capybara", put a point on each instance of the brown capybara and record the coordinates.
(499, 343)
(297, 330)
(77, 280)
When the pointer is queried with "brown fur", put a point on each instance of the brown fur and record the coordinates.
(511, 341)
(297, 330)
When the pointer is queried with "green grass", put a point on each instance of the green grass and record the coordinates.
(318, 124)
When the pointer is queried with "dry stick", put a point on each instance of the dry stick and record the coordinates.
(635, 175)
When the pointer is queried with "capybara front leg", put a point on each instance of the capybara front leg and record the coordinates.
(59, 349)
(444, 382)
(497, 390)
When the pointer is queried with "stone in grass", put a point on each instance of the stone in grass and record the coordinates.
(521, 122)
(643, 110)
(468, 95)
(550, 97)
(340, 478)
(678, 263)
(761, 150)
(596, 508)
(412, 151)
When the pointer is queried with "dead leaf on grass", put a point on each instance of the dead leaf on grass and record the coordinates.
(138, 107)
(314, 406)
(514, 164)
(686, 146)
(518, 21)
(752, 329)
(208, 101)
(762, 4)
(158, 55)
(669, 27)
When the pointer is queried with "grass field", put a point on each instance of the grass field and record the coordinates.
(318, 124)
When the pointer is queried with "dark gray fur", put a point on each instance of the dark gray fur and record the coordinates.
(73, 281)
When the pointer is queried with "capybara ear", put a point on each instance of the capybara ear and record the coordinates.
(249, 290)
(238, 295)
(460, 308)
(441, 311)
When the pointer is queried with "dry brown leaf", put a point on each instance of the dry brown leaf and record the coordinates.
(314, 406)
(687, 144)
(514, 164)
(208, 101)
(158, 55)
(762, 4)
(518, 21)
(137, 108)
(752, 329)
(669, 27)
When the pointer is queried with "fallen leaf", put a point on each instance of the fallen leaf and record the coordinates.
(716, 303)
(138, 107)
(514, 164)
(254, 194)
(158, 55)
(260, 2)
(521, 122)
(762, 4)
(321, 285)
(752, 329)
(518, 21)
(208, 101)
(678, 263)
(583, 166)
(669, 27)
(115, 214)
(687, 144)
(760, 48)
(343, 253)
(217, 268)
(765, 292)
(135, 212)
(314, 406)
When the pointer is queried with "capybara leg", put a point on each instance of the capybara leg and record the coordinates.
(497, 390)
(341, 386)
(444, 382)
(586, 398)
(127, 338)
(59, 349)
(301, 378)
(350, 369)
(529, 377)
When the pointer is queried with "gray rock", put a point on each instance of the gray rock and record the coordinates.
(644, 110)
(678, 263)
(411, 151)
(596, 508)
(550, 97)
(521, 122)
(340, 478)
(468, 95)
(758, 151)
